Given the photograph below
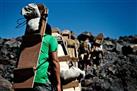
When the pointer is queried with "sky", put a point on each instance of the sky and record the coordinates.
(113, 18)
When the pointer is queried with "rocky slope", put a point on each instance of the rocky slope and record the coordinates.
(117, 71)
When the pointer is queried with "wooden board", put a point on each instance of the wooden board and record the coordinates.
(71, 84)
(99, 38)
(28, 59)
(24, 74)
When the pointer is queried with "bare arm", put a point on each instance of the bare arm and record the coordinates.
(56, 69)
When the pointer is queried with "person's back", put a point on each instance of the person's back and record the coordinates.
(49, 44)
(48, 49)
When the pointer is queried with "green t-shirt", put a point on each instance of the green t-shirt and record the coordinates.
(49, 44)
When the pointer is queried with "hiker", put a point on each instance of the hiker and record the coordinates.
(49, 49)
(97, 52)
(69, 70)
(84, 50)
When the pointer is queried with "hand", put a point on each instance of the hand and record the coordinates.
(59, 87)
(35, 68)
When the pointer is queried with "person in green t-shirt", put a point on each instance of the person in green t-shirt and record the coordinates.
(48, 49)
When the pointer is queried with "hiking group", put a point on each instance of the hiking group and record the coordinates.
(45, 52)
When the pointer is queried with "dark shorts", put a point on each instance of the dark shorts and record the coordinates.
(44, 87)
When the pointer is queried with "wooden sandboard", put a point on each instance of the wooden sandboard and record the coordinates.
(24, 74)
(28, 59)
(72, 84)
(99, 38)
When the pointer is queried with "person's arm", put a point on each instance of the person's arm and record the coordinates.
(55, 61)
(56, 69)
